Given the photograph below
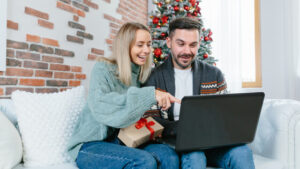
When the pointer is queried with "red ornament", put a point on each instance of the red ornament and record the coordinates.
(195, 13)
(164, 19)
(176, 8)
(163, 34)
(210, 33)
(205, 56)
(177, 0)
(206, 38)
(155, 20)
(159, 4)
(186, 7)
(157, 26)
(198, 9)
(157, 52)
(193, 2)
(203, 29)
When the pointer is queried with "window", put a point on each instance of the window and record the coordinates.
(236, 33)
(252, 79)
(3, 7)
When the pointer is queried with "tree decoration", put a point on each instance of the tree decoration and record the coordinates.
(164, 12)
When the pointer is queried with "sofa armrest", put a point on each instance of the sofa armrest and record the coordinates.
(7, 107)
(297, 140)
(278, 131)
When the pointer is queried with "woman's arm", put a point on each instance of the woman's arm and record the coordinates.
(115, 109)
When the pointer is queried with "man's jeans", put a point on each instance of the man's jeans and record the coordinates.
(112, 155)
(237, 157)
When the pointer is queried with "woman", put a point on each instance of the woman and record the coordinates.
(116, 101)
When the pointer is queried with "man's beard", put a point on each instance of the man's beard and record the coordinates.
(184, 55)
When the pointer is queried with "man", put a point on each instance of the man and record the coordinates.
(182, 75)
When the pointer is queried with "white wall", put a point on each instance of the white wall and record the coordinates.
(280, 54)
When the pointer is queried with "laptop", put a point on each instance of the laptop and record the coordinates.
(217, 120)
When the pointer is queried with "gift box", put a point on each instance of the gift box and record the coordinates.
(142, 131)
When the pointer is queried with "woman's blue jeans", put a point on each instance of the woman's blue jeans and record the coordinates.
(112, 155)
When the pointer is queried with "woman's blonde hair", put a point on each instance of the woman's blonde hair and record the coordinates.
(122, 45)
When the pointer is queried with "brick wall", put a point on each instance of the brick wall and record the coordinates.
(52, 45)
(131, 11)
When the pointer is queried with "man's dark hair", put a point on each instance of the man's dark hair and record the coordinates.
(184, 23)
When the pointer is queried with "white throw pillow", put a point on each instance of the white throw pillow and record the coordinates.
(10, 144)
(46, 122)
(59, 166)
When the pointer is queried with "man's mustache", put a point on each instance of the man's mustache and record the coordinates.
(186, 55)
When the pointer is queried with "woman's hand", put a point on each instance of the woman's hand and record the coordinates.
(165, 99)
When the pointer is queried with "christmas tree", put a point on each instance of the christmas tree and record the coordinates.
(163, 13)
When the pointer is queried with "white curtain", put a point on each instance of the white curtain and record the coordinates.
(227, 20)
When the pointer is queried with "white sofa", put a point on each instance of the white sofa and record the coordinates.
(277, 140)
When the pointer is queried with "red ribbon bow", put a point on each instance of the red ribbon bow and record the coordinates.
(143, 122)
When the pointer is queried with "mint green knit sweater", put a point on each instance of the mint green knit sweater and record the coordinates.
(110, 104)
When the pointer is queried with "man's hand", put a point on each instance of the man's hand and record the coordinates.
(165, 99)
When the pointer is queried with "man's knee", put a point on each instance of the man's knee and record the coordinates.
(240, 152)
(195, 156)
(196, 159)
(240, 157)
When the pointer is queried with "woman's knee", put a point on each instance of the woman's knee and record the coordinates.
(165, 156)
(142, 159)
(145, 160)
(160, 148)
(98, 154)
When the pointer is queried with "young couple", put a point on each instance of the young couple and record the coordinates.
(117, 100)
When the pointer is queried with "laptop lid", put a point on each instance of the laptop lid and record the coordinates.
(217, 120)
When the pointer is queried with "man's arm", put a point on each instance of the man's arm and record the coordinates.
(221, 84)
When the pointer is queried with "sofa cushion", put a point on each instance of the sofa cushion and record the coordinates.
(46, 122)
(267, 163)
(10, 144)
(277, 130)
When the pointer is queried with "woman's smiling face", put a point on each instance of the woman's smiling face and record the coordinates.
(141, 48)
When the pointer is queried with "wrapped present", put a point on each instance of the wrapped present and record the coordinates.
(142, 131)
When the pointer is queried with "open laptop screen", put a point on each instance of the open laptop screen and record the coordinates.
(218, 120)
